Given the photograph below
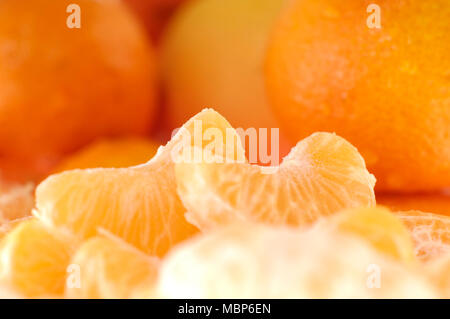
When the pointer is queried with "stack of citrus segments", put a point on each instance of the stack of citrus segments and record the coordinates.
(198, 221)
(224, 149)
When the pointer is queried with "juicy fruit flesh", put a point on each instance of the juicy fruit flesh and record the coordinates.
(439, 273)
(322, 174)
(110, 268)
(430, 232)
(235, 262)
(382, 229)
(34, 259)
(138, 204)
(70, 86)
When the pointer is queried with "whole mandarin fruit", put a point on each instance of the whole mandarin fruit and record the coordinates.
(213, 56)
(386, 90)
(62, 87)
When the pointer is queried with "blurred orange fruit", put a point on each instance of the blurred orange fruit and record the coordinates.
(321, 175)
(108, 153)
(431, 203)
(140, 204)
(16, 201)
(213, 55)
(33, 259)
(379, 227)
(254, 261)
(63, 87)
(110, 268)
(154, 14)
(430, 232)
(385, 90)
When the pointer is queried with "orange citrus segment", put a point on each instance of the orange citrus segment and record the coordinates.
(321, 175)
(430, 232)
(33, 259)
(111, 268)
(107, 153)
(7, 226)
(255, 261)
(439, 272)
(431, 203)
(139, 204)
(382, 229)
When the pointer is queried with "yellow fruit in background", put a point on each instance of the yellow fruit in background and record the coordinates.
(213, 56)
(139, 204)
(439, 273)
(108, 153)
(111, 268)
(378, 226)
(34, 258)
(321, 175)
(437, 203)
(254, 261)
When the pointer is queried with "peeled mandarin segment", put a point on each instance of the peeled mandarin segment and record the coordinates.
(322, 174)
(111, 268)
(123, 152)
(383, 230)
(430, 232)
(439, 272)
(138, 204)
(7, 226)
(254, 261)
(34, 259)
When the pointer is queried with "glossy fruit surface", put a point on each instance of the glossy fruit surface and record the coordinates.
(385, 90)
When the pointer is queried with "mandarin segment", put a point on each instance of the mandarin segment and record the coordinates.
(111, 268)
(34, 258)
(110, 153)
(255, 261)
(321, 175)
(439, 273)
(378, 226)
(430, 232)
(139, 204)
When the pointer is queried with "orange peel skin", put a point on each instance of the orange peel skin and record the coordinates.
(261, 261)
(383, 230)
